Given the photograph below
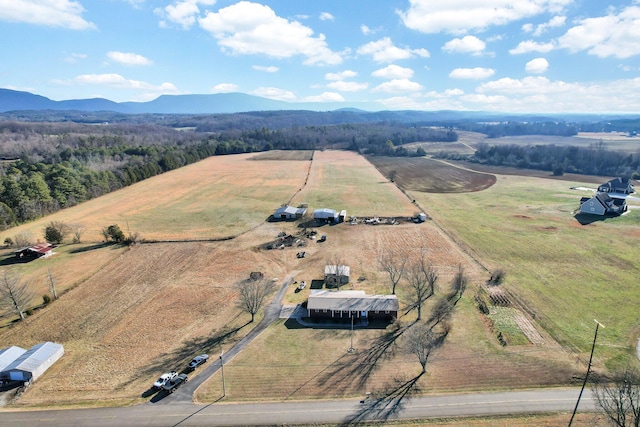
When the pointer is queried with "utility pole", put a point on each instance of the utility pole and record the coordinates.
(224, 390)
(351, 349)
(586, 377)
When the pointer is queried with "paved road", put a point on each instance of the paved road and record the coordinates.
(271, 314)
(308, 412)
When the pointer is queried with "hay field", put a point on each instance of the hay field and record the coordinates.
(345, 180)
(216, 197)
(565, 273)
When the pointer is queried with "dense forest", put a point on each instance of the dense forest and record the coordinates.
(49, 166)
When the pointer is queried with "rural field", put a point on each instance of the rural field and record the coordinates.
(128, 314)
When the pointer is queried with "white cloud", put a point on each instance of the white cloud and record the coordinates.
(615, 35)
(116, 81)
(51, 13)
(183, 12)
(326, 16)
(393, 72)
(461, 16)
(365, 30)
(472, 73)
(398, 86)
(556, 21)
(531, 46)
(343, 86)
(247, 28)
(346, 74)
(467, 44)
(225, 88)
(274, 93)
(537, 66)
(128, 58)
(269, 69)
(383, 50)
(325, 97)
(75, 57)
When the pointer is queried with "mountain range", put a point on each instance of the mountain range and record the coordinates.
(219, 103)
(231, 103)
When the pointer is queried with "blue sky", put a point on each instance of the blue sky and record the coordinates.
(541, 56)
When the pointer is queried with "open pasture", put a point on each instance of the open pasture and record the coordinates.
(564, 273)
(217, 197)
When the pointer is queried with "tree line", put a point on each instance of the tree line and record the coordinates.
(594, 160)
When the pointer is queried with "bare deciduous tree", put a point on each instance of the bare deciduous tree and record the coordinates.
(420, 340)
(459, 284)
(619, 398)
(252, 294)
(442, 311)
(52, 284)
(339, 271)
(418, 277)
(14, 294)
(23, 239)
(77, 229)
(393, 264)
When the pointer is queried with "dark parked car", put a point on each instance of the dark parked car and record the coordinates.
(198, 360)
(173, 384)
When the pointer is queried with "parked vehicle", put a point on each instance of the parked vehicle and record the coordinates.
(322, 238)
(198, 360)
(164, 378)
(173, 384)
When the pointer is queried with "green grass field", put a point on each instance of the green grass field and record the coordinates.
(566, 274)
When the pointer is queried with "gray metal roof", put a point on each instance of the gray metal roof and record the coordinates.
(30, 360)
(352, 301)
(343, 270)
(9, 354)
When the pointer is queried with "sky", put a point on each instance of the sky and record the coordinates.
(525, 56)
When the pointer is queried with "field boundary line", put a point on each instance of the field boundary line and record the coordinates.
(306, 179)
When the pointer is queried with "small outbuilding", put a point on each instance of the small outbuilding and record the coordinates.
(9, 354)
(336, 275)
(41, 250)
(352, 304)
(289, 213)
(33, 362)
(325, 215)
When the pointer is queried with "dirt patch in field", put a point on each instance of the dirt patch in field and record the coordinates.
(431, 176)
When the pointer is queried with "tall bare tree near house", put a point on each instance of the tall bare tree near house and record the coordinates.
(394, 265)
(339, 271)
(252, 294)
(420, 340)
(52, 284)
(15, 295)
(421, 290)
(619, 397)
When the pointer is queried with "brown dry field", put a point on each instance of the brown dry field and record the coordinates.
(217, 197)
(133, 314)
(432, 176)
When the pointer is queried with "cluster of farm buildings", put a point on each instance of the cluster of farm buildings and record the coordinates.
(287, 212)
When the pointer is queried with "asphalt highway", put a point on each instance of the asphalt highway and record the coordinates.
(308, 412)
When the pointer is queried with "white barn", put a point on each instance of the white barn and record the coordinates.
(9, 354)
(33, 363)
